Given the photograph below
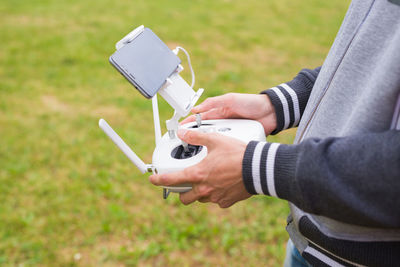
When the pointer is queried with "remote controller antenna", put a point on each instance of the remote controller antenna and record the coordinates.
(124, 147)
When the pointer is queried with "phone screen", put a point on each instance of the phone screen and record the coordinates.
(146, 62)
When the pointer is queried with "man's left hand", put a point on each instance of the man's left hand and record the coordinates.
(217, 178)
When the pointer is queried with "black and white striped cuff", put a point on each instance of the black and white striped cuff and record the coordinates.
(270, 169)
(290, 99)
(287, 106)
(258, 168)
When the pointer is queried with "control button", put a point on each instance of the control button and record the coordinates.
(225, 129)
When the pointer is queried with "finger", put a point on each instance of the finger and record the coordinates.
(174, 178)
(225, 205)
(204, 200)
(209, 103)
(188, 119)
(224, 202)
(188, 197)
(198, 138)
(215, 113)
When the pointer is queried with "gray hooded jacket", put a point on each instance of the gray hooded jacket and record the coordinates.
(342, 175)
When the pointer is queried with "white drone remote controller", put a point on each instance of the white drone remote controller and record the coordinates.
(171, 154)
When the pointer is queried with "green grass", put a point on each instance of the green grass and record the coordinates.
(68, 197)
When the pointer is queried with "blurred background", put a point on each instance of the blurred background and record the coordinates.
(68, 196)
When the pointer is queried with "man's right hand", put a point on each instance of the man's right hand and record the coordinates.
(238, 106)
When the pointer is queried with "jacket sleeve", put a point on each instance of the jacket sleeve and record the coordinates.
(354, 179)
(290, 99)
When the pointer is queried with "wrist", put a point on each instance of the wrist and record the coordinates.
(268, 116)
(271, 114)
(279, 109)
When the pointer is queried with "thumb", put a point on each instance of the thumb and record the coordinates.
(197, 137)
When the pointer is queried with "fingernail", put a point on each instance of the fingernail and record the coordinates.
(181, 133)
(153, 179)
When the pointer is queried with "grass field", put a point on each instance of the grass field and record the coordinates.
(68, 197)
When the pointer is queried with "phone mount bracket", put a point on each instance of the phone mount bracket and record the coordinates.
(179, 95)
(129, 37)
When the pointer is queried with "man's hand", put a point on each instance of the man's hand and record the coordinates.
(236, 106)
(217, 178)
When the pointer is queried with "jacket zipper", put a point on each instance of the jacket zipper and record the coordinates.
(395, 125)
(333, 75)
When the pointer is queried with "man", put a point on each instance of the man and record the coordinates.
(342, 174)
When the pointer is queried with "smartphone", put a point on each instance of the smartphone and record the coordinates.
(146, 62)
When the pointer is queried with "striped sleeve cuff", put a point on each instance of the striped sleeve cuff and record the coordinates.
(290, 99)
(287, 108)
(269, 169)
